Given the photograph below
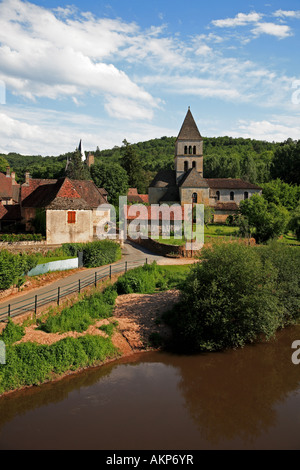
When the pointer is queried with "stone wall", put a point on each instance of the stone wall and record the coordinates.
(164, 249)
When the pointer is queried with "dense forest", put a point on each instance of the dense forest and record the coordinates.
(224, 157)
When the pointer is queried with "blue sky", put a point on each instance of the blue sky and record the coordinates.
(105, 71)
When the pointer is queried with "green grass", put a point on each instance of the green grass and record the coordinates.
(152, 278)
(289, 239)
(210, 231)
(82, 314)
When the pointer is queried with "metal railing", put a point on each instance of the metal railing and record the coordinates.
(55, 295)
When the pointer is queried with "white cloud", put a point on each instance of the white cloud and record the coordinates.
(287, 14)
(268, 129)
(280, 31)
(241, 19)
(42, 55)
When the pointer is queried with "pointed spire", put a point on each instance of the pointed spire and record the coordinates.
(189, 129)
(80, 149)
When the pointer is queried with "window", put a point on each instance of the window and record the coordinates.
(232, 196)
(194, 198)
(71, 217)
(194, 150)
(185, 149)
(190, 150)
(246, 195)
(186, 166)
(194, 164)
(218, 195)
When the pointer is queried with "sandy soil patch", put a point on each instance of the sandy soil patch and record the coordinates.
(137, 316)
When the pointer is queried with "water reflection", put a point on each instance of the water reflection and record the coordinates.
(246, 398)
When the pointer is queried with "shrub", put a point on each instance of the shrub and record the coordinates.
(228, 300)
(13, 267)
(12, 332)
(97, 253)
(32, 364)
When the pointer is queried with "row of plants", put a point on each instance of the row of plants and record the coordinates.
(21, 237)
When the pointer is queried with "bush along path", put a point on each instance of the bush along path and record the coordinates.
(96, 329)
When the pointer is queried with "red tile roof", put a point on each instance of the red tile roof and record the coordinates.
(42, 193)
(7, 188)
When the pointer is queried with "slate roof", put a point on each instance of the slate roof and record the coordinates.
(189, 129)
(193, 179)
(230, 183)
(163, 179)
(225, 206)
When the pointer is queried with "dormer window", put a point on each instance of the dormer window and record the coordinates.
(231, 195)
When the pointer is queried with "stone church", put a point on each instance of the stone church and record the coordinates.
(187, 183)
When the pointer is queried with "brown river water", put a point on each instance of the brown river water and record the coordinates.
(239, 399)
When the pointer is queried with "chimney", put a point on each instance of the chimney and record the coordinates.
(27, 177)
(13, 177)
(7, 172)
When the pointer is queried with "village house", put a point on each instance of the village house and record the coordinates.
(186, 184)
(69, 209)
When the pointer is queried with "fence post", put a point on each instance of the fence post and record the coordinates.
(96, 279)
(58, 295)
(125, 267)
(35, 304)
(146, 260)
(79, 286)
(8, 310)
(110, 272)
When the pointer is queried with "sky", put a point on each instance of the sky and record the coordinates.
(108, 70)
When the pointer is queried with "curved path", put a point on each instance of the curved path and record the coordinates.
(133, 254)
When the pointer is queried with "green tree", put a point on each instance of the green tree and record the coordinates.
(112, 177)
(227, 300)
(294, 224)
(3, 164)
(77, 169)
(286, 162)
(265, 220)
(281, 193)
(132, 165)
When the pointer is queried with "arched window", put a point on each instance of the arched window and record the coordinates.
(218, 195)
(185, 150)
(194, 198)
(194, 164)
(246, 195)
(231, 195)
(186, 166)
(194, 150)
(190, 150)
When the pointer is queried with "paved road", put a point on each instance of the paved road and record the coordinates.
(132, 255)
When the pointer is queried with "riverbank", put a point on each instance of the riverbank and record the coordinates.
(137, 318)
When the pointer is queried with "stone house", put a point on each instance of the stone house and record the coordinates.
(187, 184)
(71, 208)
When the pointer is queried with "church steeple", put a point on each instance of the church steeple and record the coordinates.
(188, 148)
(189, 129)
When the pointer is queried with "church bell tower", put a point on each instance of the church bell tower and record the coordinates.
(188, 148)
